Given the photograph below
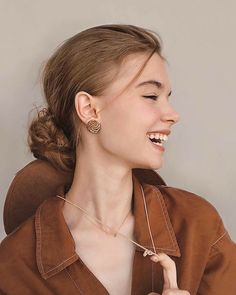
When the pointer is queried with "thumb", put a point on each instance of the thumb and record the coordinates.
(169, 270)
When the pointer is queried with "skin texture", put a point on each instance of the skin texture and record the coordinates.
(102, 183)
(170, 277)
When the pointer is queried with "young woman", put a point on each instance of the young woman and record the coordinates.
(108, 112)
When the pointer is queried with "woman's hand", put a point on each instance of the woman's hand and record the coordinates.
(170, 277)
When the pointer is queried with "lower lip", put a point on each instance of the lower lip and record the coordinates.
(158, 147)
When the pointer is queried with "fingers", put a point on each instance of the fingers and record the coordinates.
(169, 270)
(170, 277)
(175, 292)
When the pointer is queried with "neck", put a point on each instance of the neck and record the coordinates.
(104, 191)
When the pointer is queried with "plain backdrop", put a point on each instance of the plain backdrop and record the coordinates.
(199, 42)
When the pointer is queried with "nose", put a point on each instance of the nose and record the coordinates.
(171, 115)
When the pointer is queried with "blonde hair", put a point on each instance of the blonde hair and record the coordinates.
(88, 61)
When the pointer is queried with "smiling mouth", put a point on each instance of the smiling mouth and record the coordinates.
(157, 142)
(154, 140)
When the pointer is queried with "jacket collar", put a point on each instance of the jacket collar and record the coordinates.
(55, 246)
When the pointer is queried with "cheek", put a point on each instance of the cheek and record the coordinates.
(132, 118)
(126, 126)
(148, 116)
(151, 116)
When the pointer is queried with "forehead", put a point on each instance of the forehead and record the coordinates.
(155, 69)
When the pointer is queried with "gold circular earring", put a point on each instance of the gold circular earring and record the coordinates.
(93, 126)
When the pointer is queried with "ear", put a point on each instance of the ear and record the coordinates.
(85, 106)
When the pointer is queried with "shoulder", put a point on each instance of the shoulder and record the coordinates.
(187, 202)
(194, 218)
(18, 246)
(192, 213)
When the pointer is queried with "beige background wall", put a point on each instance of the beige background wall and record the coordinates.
(200, 43)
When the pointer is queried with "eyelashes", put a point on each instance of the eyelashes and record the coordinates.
(153, 97)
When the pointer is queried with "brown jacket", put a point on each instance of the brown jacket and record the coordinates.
(39, 256)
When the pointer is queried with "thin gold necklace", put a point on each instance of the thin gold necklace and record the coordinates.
(115, 233)
(104, 227)
(109, 229)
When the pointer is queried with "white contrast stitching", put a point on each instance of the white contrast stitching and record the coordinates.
(38, 223)
(74, 281)
(51, 269)
(39, 239)
(173, 243)
(219, 238)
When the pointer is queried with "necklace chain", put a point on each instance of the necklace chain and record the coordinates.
(115, 233)
(104, 227)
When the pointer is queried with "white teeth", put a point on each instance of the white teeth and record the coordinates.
(157, 143)
(161, 136)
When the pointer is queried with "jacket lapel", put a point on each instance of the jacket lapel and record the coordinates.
(55, 246)
(159, 221)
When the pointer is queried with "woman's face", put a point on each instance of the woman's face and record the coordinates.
(126, 121)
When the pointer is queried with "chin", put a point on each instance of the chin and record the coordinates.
(153, 166)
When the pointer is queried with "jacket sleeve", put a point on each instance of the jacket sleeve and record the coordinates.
(220, 273)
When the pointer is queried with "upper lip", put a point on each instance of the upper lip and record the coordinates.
(164, 131)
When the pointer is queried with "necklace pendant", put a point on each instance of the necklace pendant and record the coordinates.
(147, 252)
(109, 231)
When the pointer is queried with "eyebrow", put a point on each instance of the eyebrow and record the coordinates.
(156, 83)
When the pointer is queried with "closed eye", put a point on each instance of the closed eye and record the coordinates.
(154, 97)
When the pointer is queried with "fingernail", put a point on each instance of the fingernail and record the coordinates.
(154, 258)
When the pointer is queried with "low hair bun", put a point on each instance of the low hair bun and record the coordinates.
(47, 141)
